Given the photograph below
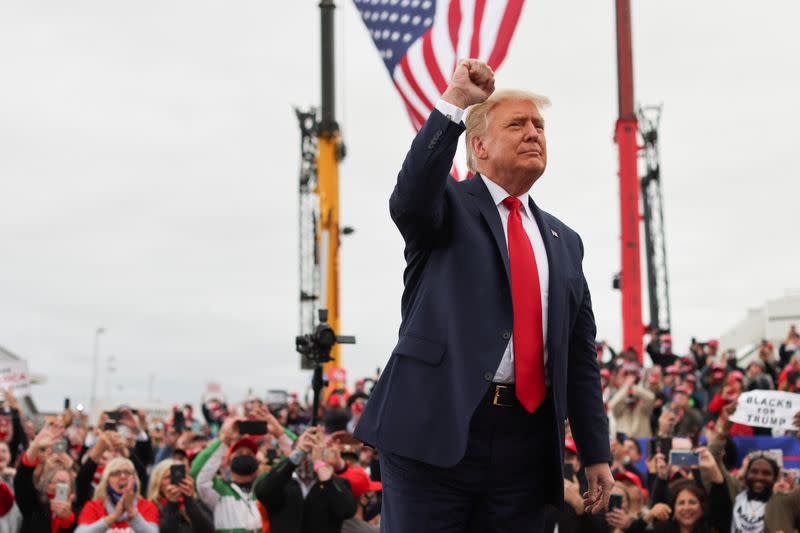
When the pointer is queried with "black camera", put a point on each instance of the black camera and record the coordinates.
(315, 347)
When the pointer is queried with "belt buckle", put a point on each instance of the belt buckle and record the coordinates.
(496, 399)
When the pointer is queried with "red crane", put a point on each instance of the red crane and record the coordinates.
(626, 137)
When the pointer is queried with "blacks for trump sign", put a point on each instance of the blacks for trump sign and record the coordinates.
(767, 409)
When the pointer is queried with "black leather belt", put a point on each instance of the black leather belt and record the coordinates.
(502, 395)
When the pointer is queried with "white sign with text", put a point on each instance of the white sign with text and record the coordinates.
(767, 409)
(14, 376)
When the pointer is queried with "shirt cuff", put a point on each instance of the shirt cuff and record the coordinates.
(29, 464)
(449, 110)
(297, 457)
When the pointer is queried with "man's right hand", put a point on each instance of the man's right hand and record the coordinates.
(662, 466)
(666, 423)
(229, 431)
(309, 439)
(472, 83)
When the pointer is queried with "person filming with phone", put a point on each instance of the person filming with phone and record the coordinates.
(107, 445)
(690, 493)
(302, 493)
(172, 490)
(230, 496)
(47, 505)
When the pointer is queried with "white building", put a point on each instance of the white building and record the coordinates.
(770, 321)
(26, 402)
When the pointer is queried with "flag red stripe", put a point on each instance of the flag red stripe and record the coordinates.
(413, 82)
(432, 64)
(504, 33)
(475, 44)
(454, 22)
(416, 118)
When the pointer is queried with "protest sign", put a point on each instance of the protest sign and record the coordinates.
(14, 376)
(767, 409)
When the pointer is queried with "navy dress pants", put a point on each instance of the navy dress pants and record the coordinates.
(500, 486)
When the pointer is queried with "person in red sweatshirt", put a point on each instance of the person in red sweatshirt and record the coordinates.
(6, 499)
(116, 506)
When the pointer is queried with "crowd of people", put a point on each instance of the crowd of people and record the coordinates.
(675, 413)
(253, 467)
(264, 467)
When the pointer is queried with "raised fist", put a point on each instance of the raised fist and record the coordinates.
(472, 83)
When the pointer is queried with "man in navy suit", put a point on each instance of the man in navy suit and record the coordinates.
(496, 346)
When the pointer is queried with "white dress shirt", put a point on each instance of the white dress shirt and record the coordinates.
(505, 372)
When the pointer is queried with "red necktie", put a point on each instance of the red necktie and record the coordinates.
(526, 297)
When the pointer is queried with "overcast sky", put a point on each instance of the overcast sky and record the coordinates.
(149, 157)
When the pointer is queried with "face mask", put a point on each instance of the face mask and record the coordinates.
(371, 509)
(115, 496)
(246, 487)
(244, 465)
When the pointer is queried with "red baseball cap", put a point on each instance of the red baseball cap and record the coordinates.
(605, 373)
(735, 376)
(625, 475)
(334, 400)
(360, 483)
(682, 389)
(673, 369)
(244, 442)
(713, 342)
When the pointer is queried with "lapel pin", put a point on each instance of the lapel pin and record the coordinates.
(555, 233)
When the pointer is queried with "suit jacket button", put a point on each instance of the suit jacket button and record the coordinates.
(488, 376)
(506, 334)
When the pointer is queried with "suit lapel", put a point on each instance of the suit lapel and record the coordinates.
(483, 199)
(556, 284)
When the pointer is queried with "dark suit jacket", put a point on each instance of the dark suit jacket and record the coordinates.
(323, 509)
(457, 315)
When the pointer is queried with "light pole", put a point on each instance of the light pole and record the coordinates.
(111, 368)
(99, 331)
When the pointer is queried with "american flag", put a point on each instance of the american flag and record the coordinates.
(421, 40)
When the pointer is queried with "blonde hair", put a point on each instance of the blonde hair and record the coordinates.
(101, 492)
(156, 476)
(477, 119)
(47, 477)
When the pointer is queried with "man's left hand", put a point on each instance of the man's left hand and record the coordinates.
(600, 484)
